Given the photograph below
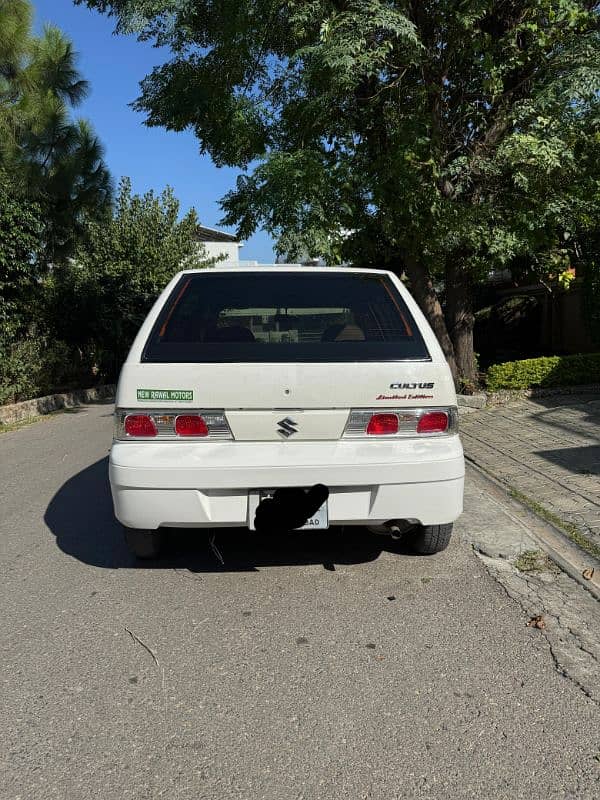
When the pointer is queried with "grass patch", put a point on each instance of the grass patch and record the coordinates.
(535, 561)
(572, 531)
(15, 426)
(25, 423)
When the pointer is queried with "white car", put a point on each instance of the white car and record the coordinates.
(245, 381)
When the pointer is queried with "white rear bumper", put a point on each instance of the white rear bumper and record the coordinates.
(206, 484)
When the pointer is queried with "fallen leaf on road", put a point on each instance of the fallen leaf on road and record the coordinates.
(588, 574)
(536, 622)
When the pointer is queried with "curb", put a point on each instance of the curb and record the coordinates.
(504, 396)
(470, 403)
(571, 558)
(39, 406)
(485, 400)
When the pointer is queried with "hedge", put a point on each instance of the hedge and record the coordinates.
(545, 372)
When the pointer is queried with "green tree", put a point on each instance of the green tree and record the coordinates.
(444, 135)
(24, 355)
(20, 226)
(15, 24)
(50, 158)
(118, 271)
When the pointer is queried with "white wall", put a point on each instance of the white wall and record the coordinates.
(231, 250)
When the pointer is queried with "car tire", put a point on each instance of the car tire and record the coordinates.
(144, 544)
(429, 539)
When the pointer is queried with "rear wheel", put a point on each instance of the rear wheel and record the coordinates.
(143, 543)
(429, 539)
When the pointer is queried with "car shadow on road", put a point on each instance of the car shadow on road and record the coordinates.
(80, 515)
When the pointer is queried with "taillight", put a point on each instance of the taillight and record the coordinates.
(164, 425)
(190, 425)
(382, 425)
(400, 422)
(139, 425)
(433, 422)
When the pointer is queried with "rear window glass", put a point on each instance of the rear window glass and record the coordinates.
(284, 316)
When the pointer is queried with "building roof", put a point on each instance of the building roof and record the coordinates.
(204, 234)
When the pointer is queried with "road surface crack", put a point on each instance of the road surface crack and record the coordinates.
(572, 621)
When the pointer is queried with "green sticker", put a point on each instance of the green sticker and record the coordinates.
(165, 394)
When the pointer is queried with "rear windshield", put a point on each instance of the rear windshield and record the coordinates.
(284, 316)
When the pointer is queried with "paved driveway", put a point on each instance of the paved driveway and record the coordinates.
(330, 666)
(549, 450)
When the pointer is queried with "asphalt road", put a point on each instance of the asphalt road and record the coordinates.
(309, 666)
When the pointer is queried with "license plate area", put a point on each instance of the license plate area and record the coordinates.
(318, 522)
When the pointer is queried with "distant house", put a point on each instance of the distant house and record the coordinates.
(304, 260)
(218, 243)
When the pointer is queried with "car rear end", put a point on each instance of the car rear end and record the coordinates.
(241, 382)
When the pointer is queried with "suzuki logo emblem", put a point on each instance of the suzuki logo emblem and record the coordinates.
(287, 427)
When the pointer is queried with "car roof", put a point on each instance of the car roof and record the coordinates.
(284, 268)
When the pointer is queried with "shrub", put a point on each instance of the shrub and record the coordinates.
(33, 367)
(545, 372)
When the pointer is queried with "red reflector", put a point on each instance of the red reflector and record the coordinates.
(433, 422)
(190, 425)
(140, 425)
(380, 424)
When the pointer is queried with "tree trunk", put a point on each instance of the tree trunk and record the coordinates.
(421, 287)
(460, 321)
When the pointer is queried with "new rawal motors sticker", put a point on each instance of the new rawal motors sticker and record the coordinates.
(165, 394)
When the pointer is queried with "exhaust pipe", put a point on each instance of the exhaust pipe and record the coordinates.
(398, 527)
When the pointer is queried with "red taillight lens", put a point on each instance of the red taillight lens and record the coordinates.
(190, 425)
(381, 424)
(433, 422)
(140, 425)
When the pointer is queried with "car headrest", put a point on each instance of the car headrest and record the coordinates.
(350, 333)
(230, 333)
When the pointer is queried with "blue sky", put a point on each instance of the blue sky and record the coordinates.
(151, 157)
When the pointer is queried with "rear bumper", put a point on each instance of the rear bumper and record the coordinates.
(206, 484)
